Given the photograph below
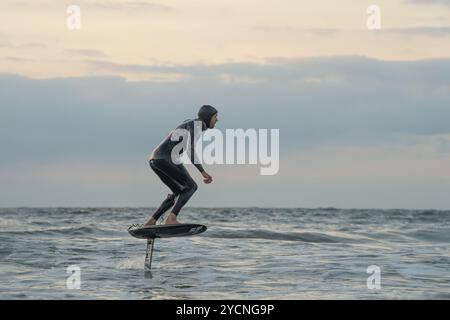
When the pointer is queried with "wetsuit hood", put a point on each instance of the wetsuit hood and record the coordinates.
(205, 114)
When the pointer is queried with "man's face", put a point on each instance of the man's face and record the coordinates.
(213, 121)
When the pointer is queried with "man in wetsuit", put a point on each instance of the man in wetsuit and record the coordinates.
(174, 175)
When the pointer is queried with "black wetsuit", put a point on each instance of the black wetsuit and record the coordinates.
(175, 176)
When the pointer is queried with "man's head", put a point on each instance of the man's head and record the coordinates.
(208, 114)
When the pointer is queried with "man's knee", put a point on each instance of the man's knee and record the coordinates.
(171, 197)
(191, 187)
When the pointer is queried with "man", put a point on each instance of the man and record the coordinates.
(174, 174)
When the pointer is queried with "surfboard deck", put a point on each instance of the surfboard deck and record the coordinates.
(167, 231)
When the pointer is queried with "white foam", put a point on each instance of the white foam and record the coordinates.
(131, 263)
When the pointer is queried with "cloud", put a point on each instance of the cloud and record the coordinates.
(354, 131)
(314, 102)
(26, 45)
(85, 53)
(128, 67)
(118, 5)
(296, 30)
(132, 71)
(430, 2)
(429, 31)
(32, 45)
(18, 59)
(132, 6)
(420, 31)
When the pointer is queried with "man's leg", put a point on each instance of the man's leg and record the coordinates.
(170, 200)
(163, 208)
(176, 175)
(181, 175)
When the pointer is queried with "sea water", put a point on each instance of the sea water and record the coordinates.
(246, 253)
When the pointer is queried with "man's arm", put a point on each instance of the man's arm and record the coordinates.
(193, 155)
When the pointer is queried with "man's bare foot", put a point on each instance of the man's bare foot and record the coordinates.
(150, 222)
(172, 219)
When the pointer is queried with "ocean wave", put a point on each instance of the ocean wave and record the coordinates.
(430, 235)
(314, 237)
(136, 262)
(68, 231)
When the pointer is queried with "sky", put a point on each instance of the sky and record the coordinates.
(364, 115)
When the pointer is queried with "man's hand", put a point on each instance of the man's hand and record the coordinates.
(207, 178)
